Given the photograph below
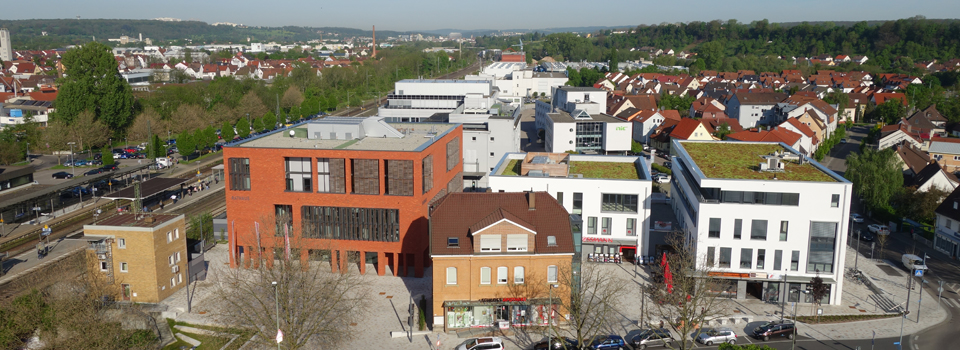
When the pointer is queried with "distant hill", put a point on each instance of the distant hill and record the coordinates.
(29, 34)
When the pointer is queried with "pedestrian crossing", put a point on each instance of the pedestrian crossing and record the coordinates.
(948, 302)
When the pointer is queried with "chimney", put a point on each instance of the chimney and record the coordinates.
(374, 41)
(531, 200)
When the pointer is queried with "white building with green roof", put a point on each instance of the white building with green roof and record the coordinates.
(610, 194)
(760, 215)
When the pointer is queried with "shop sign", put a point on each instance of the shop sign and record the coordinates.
(499, 300)
(728, 274)
(662, 225)
(597, 240)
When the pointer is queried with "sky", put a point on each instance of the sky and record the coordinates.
(414, 15)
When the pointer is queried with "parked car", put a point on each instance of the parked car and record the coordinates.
(556, 343)
(710, 336)
(76, 191)
(878, 229)
(488, 343)
(856, 217)
(662, 178)
(651, 337)
(62, 175)
(98, 156)
(913, 262)
(864, 236)
(94, 172)
(608, 342)
(110, 167)
(843, 140)
(776, 329)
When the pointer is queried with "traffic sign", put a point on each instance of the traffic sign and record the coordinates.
(918, 273)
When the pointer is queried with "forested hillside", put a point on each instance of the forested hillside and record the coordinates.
(28, 34)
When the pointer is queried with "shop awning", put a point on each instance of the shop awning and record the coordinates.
(499, 302)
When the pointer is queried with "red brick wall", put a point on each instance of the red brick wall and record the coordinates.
(268, 188)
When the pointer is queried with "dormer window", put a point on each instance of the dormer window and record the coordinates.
(517, 242)
(490, 243)
(453, 242)
(552, 241)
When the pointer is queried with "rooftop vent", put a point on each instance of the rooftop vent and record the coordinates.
(771, 164)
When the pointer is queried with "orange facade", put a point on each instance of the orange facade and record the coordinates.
(268, 188)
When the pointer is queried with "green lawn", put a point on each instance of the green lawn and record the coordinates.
(513, 168)
(734, 160)
(605, 170)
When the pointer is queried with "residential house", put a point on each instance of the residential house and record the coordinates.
(808, 138)
(764, 233)
(929, 121)
(777, 135)
(912, 159)
(645, 122)
(754, 109)
(946, 151)
(485, 247)
(683, 129)
(897, 134)
(933, 176)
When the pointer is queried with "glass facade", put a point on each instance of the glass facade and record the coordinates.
(485, 314)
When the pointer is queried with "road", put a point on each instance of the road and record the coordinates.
(836, 159)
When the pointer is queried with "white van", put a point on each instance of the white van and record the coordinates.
(913, 262)
(163, 162)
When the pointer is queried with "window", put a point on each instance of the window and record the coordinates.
(746, 258)
(399, 177)
(473, 138)
(552, 273)
(299, 174)
(179, 278)
(453, 242)
(170, 260)
(560, 198)
(552, 241)
(784, 225)
(491, 154)
(176, 233)
(823, 236)
(121, 243)
(173, 281)
(502, 275)
(714, 231)
(360, 224)
(835, 201)
(489, 243)
(577, 203)
(591, 225)
(619, 202)
(177, 257)
(491, 138)
(795, 260)
(451, 275)
(758, 230)
(366, 176)
(239, 174)
(518, 275)
(427, 173)
(761, 258)
(725, 257)
(453, 153)
(104, 266)
(484, 275)
(605, 229)
(711, 251)
(169, 237)
(631, 227)
(123, 267)
(777, 260)
(517, 242)
(283, 214)
(330, 175)
(766, 198)
(737, 228)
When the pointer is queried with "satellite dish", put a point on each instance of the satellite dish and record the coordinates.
(292, 133)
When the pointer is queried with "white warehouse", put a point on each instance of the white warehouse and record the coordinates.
(610, 194)
(761, 215)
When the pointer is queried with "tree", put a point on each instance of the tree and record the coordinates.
(636, 147)
(882, 243)
(145, 123)
(693, 299)
(818, 290)
(594, 303)
(269, 121)
(189, 117)
(251, 105)
(877, 176)
(243, 128)
(292, 97)
(890, 111)
(226, 132)
(92, 82)
(106, 155)
(157, 150)
(919, 205)
(614, 59)
(723, 130)
(257, 124)
(573, 77)
(316, 306)
(185, 144)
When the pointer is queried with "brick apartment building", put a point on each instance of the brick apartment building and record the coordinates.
(350, 190)
(500, 256)
(145, 256)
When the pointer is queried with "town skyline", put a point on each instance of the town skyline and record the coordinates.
(427, 15)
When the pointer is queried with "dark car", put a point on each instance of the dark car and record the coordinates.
(776, 329)
(94, 172)
(608, 342)
(865, 236)
(77, 191)
(110, 167)
(651, 337)
(556, 343)
(62, 175)
(98, 156)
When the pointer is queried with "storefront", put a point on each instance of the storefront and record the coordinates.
(515, 312)
(601, 249)
(768, 287)
(947, 243)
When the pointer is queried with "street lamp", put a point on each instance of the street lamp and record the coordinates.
(276, 298)
(28, 152)
(71, 156)
(794, 346)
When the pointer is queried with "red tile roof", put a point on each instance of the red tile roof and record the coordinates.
(776, 135)
(685, 128)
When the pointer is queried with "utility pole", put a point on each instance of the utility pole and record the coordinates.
(857, 253)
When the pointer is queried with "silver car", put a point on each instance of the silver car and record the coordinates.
(710, 336)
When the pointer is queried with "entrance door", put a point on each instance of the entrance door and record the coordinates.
(126, 291)
(628, 253)
(755, 290)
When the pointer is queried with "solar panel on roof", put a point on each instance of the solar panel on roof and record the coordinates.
(540, 160)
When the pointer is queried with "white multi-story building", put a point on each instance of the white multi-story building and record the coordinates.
(516, 81)
(761, 215)
(414, 99)
(574, 120)
(947, 238)
(611, 194)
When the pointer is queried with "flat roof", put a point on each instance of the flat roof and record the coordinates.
(444, 81)
(605, 170)
(590, 166)
(741, 160)
(416, 136)
(148, 188)
(581, 88)
(561, 116)
(131, 220)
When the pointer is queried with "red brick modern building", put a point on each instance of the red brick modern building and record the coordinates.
(346, 190)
